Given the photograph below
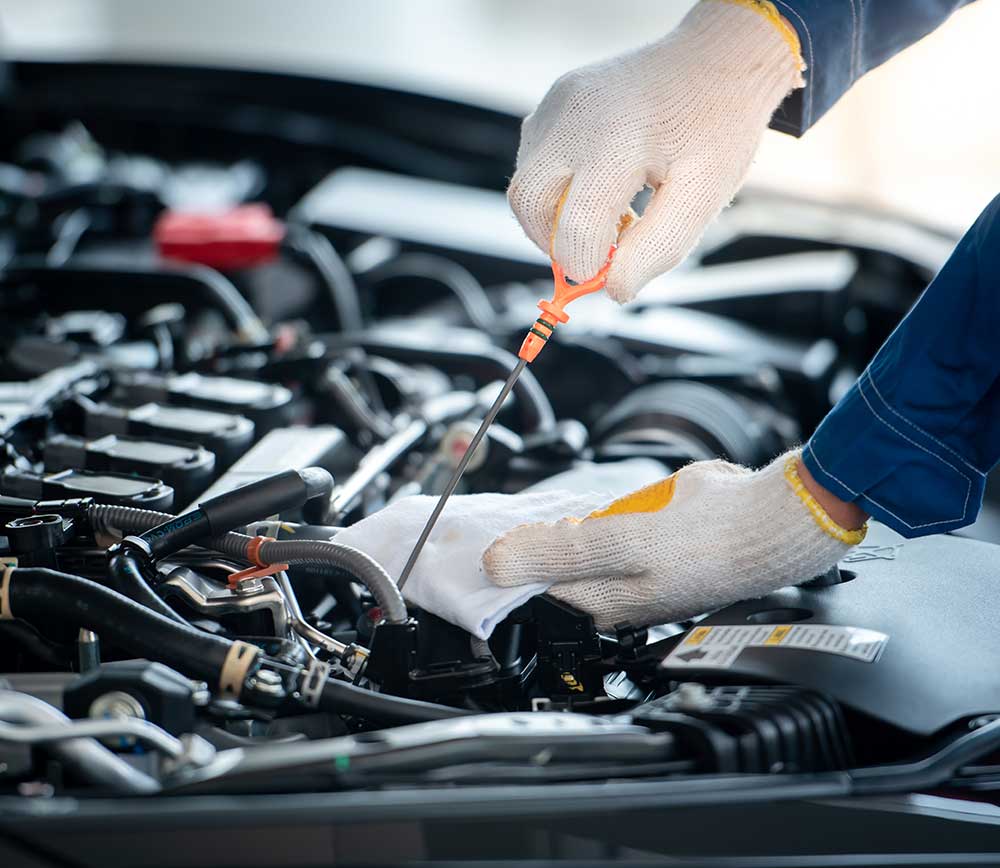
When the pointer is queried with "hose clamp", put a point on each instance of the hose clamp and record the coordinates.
(313, 680)
(8, 567)
(242, 655)
(253, 550)
(133, 544)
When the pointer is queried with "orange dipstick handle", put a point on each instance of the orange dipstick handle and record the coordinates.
(553, 311)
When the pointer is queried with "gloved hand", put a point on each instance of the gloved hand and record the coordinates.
(708, 535)
(683, 115)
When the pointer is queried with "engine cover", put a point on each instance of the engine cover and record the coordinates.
(932, 597)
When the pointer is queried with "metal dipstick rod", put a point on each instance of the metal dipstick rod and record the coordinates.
(553, 313)
(456, 475)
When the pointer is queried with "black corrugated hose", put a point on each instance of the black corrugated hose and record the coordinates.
(365, 570)
(36, 594)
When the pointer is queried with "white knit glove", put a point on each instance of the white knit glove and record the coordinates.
(709, 535)
(683, 115)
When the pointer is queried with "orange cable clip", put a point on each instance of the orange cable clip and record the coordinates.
(261, 568)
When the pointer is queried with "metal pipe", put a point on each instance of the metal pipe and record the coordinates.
(113, 727)
(84, 756)
(302, 627)
(376, 462)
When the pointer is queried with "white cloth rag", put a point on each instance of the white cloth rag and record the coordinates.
(448, 578)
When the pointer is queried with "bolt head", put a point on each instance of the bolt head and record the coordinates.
(249, 587)
(117, 703)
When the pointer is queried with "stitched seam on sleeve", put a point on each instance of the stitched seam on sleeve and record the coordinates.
(861, 36)
(819, 464)
(916, 427)
(968, 481)
(808, 102)
(854, 41)
(867, 498)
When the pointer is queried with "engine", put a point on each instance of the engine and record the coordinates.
(208, 368)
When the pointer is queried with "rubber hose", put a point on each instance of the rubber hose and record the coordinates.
(339, 697)
(482, 363)
(364, 569)
(327, 554)
(198, 284)
(126, 574)
(319, 489)
(37, 594)
(178, 532)
(438, 269)
(26, 637)
(323, 257)
(107, 518)
(346, 558)
(309, 488)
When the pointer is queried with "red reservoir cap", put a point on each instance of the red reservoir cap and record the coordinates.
(240, 237)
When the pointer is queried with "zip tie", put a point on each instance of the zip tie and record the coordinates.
(242, 655)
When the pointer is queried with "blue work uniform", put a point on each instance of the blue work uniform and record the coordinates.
(913, 439)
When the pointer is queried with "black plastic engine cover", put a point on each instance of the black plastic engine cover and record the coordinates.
(934, 598)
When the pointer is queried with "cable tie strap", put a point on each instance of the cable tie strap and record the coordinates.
(242, 655)
(8, 567)
(313, 681)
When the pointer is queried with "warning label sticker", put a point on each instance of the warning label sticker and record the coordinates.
(718, 647)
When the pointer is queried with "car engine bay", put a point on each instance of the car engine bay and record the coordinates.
(220, 344)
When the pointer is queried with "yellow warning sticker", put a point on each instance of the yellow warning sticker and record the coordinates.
(718, 646)
(777, 634)
(697, 635)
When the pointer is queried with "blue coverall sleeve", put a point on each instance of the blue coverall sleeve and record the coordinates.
(912, 440)
(843, 39)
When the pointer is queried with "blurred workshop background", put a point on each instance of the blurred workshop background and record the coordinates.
(921, 135)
